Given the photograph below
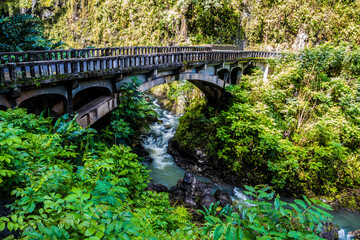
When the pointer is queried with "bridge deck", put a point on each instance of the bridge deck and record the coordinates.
(37, 72)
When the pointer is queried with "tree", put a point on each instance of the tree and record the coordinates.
(23, 33)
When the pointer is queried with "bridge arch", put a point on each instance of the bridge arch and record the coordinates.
(235, 75)
(55, 103)
(212, 86)
(88, 95)
(250, 68)
(57, 90)
(101, 83)
(224, 74)
(4, 102)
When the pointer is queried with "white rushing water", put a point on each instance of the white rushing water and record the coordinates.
(266, 73)
(165, 171)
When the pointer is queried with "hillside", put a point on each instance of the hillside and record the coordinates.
(268, 25)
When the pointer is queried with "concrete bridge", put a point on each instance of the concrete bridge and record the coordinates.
(88, 81)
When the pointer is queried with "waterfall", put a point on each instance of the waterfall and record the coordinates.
(266, 73)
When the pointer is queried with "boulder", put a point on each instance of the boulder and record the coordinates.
(176, 194)
(158, 187)
(189, 202)
(206, 201)
(193, 187)
(203, 188)
(174, 188)
(330, 232)
(223, 197)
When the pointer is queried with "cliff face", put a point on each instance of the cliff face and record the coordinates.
(292, 24)
(83, 23)
(266, 24)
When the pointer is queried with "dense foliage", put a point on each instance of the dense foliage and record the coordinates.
(267, 217)
(264, 24)
(22, 33)
(68, 184)
(299, 130)
(178, 96)
(279, 24)
(123, 23)
(132, 115)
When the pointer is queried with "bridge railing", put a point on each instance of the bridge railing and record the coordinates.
(30, 56)
(117, 64)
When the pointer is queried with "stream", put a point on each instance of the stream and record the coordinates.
(165, 171)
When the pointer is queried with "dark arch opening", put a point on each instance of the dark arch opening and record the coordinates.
(250, 69)
(87, 95)
(224, 75)
(54, 105)
(3, 108)
(235, 75)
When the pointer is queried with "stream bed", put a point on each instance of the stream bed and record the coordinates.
(165, 171)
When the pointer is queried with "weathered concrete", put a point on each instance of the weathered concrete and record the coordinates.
(72, 74)
(96, 109)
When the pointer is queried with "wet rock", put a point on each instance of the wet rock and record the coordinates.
(177, 199)
(203, 188)
(158, 187)
(206, 201)
(174, 188)
(223, 197)
(188, 183)
(176, 194)
(189, 178)
(193, 187)
(189, 202)
(330, 232)
(355, 234)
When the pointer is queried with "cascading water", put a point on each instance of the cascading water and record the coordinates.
(266, 73)
(163, 168)
(165, 171)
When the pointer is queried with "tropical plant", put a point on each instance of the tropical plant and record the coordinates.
(132, 114)
(66, 183)
(23, 33)
(299, 131)
(267, 217)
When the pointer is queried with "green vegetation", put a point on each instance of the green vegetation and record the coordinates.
(68, 184)
(23, 33)
(129, 23)
(266, 24)
(132, 114)
(267, 218)
(275, 24)
(178, 96)
(299, 131)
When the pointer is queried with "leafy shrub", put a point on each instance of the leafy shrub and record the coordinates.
(299, 132)
(267, 217)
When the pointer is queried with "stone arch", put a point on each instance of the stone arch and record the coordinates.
(224, 74)
(3, 108)
(83, 85)
(4, 101)
(57, 90)
(235, 75)
(87, 95)
(248, 70)
(212, 86)
(54, 104)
